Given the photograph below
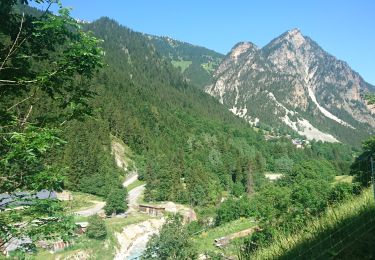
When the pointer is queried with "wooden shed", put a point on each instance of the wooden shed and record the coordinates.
(151, 210)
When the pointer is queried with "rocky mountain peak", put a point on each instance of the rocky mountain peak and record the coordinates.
(295, 32)
(292, 38)
(241, 48)
(301, 87)
(296, 38)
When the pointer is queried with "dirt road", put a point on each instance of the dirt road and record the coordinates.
(133, 197)
(97, 208)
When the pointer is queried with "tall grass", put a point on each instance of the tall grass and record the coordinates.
(338, 229)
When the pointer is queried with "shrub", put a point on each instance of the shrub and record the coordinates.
(96, 228)
(233, 209)
(258, 239)
(340, 192)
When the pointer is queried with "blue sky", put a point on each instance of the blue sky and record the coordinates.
(344, 28)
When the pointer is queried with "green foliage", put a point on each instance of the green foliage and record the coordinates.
(172, 242)
(309, 198)
(272, 203)
(298, 198)
(233, 209)
(96, 228)
(341, 232)
(287, 205)
(47, 62)
(361, 168)
(341, 191)
(283, 164)
(91, 168)
(370, 98)
(43, 219)
(116, 201)
(312, 169)
(257, 240)
(21, 164)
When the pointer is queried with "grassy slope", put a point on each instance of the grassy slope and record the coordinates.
(183, 64)
(344, 178)
(204, 242)
(81, 201)
(336, 234)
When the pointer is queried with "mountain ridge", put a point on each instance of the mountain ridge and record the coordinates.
(305, 87)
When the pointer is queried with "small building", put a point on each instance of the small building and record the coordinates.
(81, 227)
(298, 143)
(151, 210)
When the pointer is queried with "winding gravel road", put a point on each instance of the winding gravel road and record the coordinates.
(133, 196)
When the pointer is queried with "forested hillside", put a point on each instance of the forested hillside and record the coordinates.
(189, 149)
(196, 63)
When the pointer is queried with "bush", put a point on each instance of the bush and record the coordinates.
(116, 201)
(258, 239)
(357, 188)
(233, 209)
(309, 197)
(340, 192)
(96, 228)
(194, 227)
(173, 242)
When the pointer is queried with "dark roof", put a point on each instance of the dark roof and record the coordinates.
(23, 197)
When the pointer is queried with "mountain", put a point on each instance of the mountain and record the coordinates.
(293, 84)
(182, 142)
(196, 63)
(187, 146)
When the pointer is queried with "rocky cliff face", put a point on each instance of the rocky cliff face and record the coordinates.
(292, 82)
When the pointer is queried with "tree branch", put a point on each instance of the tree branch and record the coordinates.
(23, 100)
(27, 116)
(14, 43)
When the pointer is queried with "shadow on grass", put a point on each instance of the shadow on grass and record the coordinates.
(350, 238)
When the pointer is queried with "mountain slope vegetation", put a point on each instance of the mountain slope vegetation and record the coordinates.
(197, 63)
